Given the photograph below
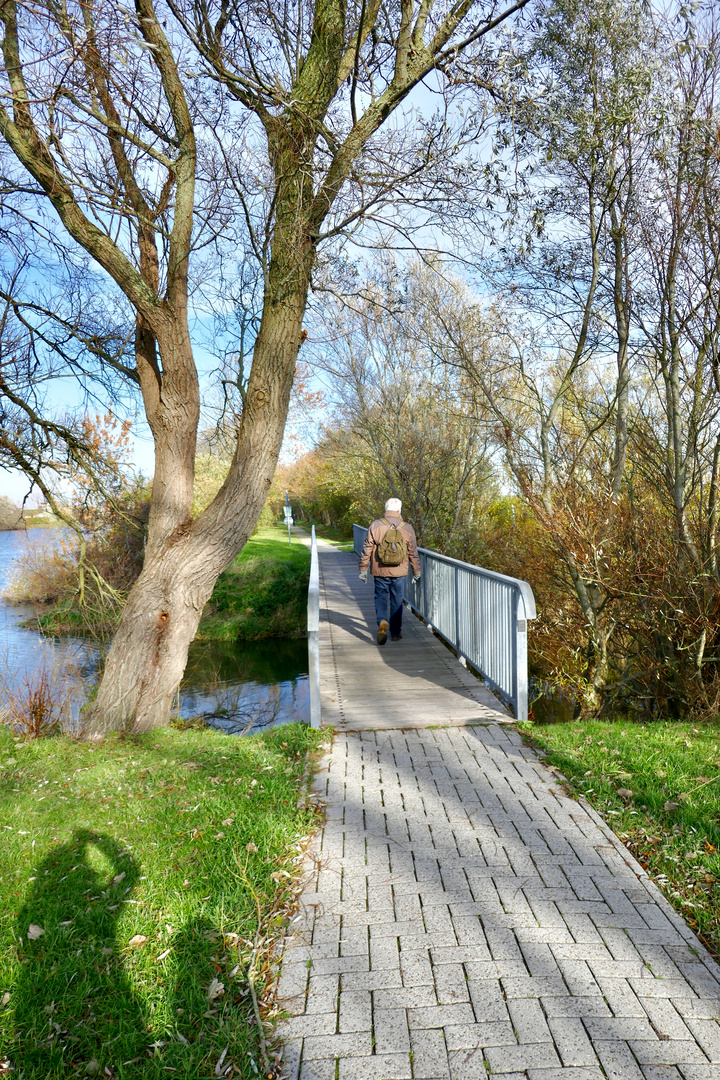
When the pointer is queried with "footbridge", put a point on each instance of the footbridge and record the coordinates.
(462, 658)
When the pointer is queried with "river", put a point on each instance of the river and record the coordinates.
(241, 687)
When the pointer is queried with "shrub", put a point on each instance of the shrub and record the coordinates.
(41, 703)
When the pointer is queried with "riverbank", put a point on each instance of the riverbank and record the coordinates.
(142, 884)
(262, 595)
(658, 787)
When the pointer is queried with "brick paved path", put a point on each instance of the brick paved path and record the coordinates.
(465, 918)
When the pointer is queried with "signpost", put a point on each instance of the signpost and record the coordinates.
(288, 516)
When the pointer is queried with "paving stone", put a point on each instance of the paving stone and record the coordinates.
(488, 1000)
(430, 1057)
(571, 1073)
(468, 1065)
(354, 1044)
(661, 1072)
(440, 1015)
(355, 1011)
(667, 1052)
(310, 1024)
(390, 1031)
(527, 1056)
(377, 1067)
(322, 993)
(468, 1036)
(620, 1027)
(450, 983)
(617, 1059)
(701, 1072)
(574, 1006)
(529, 1021)
(707, 1034)
(322, 1069)
(572, 1042)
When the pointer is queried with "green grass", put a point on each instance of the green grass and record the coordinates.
(658, 787)
(133, 858)
(337, 537)
(263, 594)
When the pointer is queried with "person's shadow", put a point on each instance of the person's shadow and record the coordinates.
(72, 998)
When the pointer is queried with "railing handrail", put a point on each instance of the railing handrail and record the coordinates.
(313, 633)
(523, 587)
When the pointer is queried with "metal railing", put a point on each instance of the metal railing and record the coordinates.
(313, 633)
(481, 614)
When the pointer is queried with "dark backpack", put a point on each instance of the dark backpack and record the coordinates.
(392, 549)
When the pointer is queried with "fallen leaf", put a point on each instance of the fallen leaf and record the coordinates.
(228, 821)
(219, 835)
(118, 878)
(219, 1067)
(92, 1067)
(215, 990)
(35, 932)
(163, 954)
(138, 939)
(251, 848)
(182, 1039)
(186, 883)
(5, 1000)
(106, 952)
(670, 806)
(625, 793)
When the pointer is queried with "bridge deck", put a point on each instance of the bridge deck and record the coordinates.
(412, 683)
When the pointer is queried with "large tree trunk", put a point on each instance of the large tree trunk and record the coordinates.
(184, 558)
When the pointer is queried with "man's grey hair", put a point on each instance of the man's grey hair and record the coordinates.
(393, 505)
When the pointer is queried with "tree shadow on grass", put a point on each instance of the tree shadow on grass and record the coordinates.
(73, 1000)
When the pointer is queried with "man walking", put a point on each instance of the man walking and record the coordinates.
(389, 545)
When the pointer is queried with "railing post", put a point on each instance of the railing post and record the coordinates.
(521, 672)
(313, 633)
(457, 614)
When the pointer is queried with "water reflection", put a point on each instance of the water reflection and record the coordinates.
(551, 704)
(237, 687)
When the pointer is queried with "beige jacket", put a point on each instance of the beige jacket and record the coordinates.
(375, 534)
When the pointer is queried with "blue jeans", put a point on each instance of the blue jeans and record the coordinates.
(389, 596)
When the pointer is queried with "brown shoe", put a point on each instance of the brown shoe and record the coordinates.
(395, 637)
(382, 632)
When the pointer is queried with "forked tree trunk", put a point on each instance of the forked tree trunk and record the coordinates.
(149, 652)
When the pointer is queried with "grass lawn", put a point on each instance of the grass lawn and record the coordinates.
(335, 536)
(264, 592)
(658, 787)
(159, 870)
